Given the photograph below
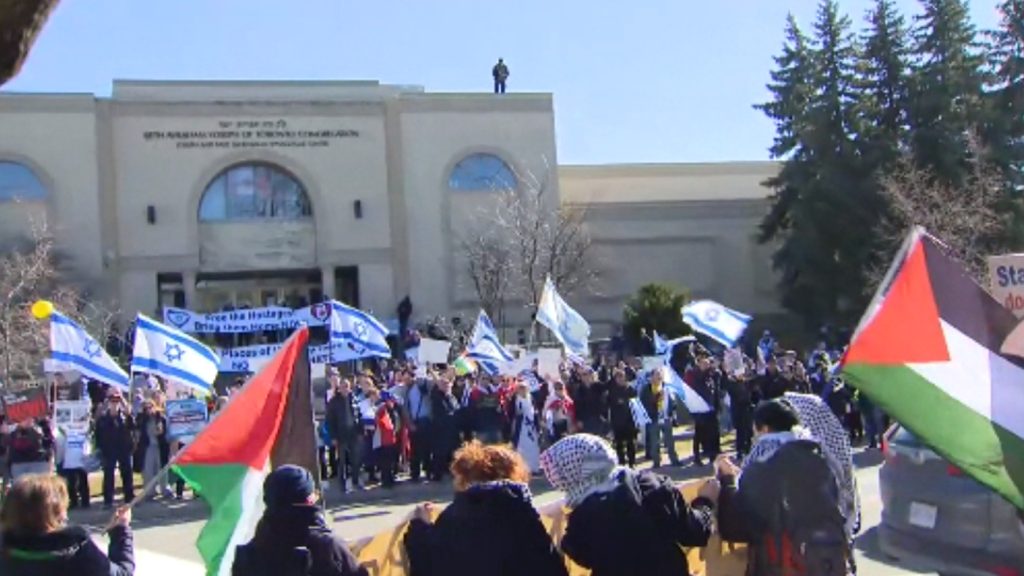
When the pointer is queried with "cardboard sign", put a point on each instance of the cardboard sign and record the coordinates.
(25, 405)
(73, 416)
(433, 351)
(1006, 281)
(548, 362)
(185, 419)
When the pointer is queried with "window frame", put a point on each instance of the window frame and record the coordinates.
(276, 203)
(462, 176)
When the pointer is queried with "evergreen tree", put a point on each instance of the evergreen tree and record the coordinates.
(814, 216)
(1005, 129)
(884, 92)
(946, 97)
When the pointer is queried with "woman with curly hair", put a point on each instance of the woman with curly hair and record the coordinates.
(491, 527)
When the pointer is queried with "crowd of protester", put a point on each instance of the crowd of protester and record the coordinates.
(585, 429)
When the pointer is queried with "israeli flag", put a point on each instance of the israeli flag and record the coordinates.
(355, 334)
(168, 352)
(664, 347)
(485, 347)
(722, 324)
(72, 348)
(695, 404)
(567, 324)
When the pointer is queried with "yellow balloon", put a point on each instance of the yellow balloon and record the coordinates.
(42, 309)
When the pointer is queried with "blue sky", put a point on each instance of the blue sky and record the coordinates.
(659, 81)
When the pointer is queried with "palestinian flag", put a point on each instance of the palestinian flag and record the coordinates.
(927, 352)
(464, 365)
(267, 424)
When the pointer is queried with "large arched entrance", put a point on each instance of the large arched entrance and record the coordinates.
(257, 241)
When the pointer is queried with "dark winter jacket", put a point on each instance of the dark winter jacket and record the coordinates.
(67, 552)
(489, 529)
(620, 415)
(637, 528)
(444, 411)
(33, 444)
(591, 403)
(295, 542)
(114, 435)
(343, 419)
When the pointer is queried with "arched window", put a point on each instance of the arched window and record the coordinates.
(482, 172)
(254, 192)
(19, 182)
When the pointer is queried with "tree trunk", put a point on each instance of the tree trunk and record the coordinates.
(20, 24)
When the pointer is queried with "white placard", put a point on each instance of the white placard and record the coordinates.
(517, 366)
(652, 362)
(72, 416)
(1006, 281)
(548, 361)
(433, 351)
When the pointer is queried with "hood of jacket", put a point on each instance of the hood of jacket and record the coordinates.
(61, 545)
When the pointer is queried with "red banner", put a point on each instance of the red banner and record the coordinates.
(25, 405)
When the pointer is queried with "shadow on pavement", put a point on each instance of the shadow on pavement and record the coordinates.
(867, 458)
(867, 543)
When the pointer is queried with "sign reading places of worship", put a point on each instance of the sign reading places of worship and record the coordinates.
(233, 134)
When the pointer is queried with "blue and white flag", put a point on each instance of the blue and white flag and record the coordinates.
(664, 347)
(567, 324)
(355, 334)
(72, 348)
(722, 324)
(485, 347)
(168, 352)
(695, 404)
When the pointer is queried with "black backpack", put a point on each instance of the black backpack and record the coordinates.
(797, 525)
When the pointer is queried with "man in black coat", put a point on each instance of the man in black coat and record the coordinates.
(292, 537)
(591, 404)
(445, 427)
(620, 415)
(115, 440)
(346, 431)
(707, 435)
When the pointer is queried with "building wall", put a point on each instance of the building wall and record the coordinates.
(55, 136)
(159, 144)
(691, 226)
(437, 132)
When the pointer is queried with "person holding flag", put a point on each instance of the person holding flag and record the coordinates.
(565, 323)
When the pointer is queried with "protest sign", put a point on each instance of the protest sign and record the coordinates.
(433, 351)
(72, 415)
(652, 362)
(68, 391)
(76, 448)
(185, 419)
(26, 404)
(548, 361)
(1006, 281)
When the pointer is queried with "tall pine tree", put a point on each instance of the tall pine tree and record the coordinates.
(946, 98)
(884, 93)
(1005, 130)
(814, 217)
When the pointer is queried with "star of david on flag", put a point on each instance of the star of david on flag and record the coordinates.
(721, 324)
(72, 348)
(355, 334)
(165, 351)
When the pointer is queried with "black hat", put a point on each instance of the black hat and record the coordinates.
(289, 486)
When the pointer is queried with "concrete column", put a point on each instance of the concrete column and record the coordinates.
(188, 278)
(327, 281)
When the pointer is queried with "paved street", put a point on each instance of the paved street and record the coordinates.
(165, 537)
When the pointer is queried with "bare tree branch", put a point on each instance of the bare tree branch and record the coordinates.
(521, 240)
(30, 271)
(970, 219)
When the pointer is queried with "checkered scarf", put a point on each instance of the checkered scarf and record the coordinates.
(580, 465)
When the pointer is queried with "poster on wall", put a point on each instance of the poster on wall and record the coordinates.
(185, 419)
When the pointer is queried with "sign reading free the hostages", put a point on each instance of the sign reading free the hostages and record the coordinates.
(1006, 281)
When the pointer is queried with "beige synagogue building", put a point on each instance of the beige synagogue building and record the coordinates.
(211, 194)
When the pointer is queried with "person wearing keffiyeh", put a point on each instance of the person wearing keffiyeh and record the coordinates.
(624, 522)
